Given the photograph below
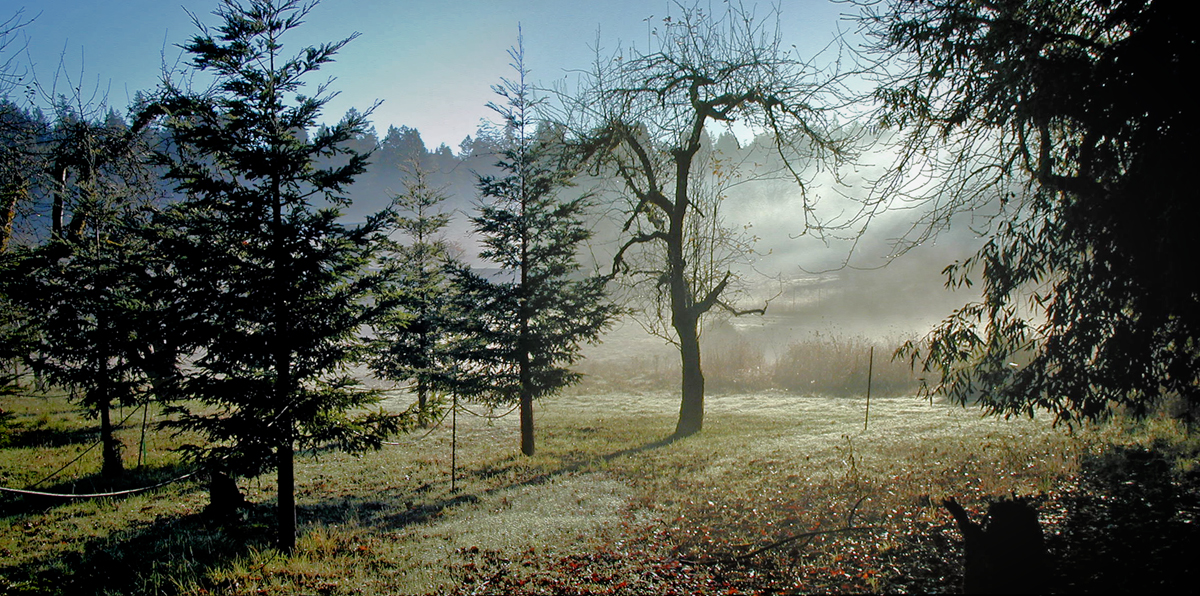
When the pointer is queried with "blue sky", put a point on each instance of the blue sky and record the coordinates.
(431, 62)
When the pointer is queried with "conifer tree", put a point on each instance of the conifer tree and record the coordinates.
(89, 300)
(95, 321)
(277, 286)
(529, 321)
(411, 340)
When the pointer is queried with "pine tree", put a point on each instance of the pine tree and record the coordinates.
(530, 320)
(277, 286)
(411, 340)
(88, 299)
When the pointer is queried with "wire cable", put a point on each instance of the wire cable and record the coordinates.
(119, 493)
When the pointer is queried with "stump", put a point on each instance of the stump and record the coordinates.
(1006, 554)
(224, 497)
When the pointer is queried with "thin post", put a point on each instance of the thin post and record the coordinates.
(870, 372)
(454, 444)
(142, 450)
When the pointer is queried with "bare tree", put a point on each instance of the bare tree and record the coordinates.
(644, 115)
(69, 315)
(17, 130)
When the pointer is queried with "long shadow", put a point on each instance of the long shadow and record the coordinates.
(342, 510)
(17, 504)
(1133, 527)
(568, 468)
(189, 546)
(34, 435)
(129, 561)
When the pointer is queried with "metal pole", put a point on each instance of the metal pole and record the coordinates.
(454, 444)
(870, 372)
(142, 451)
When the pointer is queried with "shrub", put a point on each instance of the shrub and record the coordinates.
(832, 365)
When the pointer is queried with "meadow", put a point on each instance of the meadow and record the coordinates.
(784, 491)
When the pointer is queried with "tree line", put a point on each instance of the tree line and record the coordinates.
(199, 253)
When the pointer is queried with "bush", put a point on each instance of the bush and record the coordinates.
(824, 364)
(838, 366)
(735, 365)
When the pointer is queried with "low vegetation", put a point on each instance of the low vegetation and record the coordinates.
(820, 363)
(608, 506)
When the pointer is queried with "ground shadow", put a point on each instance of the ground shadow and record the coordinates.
(191, 545)
(340, 511)
(174, 548)
(20, 504)
(1132, 525)
(22, 435)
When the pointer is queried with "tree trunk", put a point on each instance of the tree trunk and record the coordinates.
(527, 446)
(691, 407)
(523, 341)
(422, 388)
(284, 390)
(685, 312)
(113, 467)
(286, 513)
(422, 405)
(58, 206)
(525, 378)
(11, 193)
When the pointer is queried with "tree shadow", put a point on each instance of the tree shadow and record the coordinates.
(169, 550)
(20, 504)
(1132, 526)
(345, 510)
(38, 435)
(188, 547)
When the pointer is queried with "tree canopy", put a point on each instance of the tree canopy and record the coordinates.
(276, 286)
(644, 117)
(1063, 119)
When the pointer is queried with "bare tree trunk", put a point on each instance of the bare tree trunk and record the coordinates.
(8, 212)
(58, 205)
(685, 313)
(691, 407)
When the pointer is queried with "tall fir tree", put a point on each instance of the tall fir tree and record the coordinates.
(411, 342)
(277, 285)
(530, 320)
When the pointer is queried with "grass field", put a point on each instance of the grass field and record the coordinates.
(609, 507)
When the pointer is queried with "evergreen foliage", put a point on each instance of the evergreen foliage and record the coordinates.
(1061, 118)
(98, 325)
(276, 285)
(526, 324)
(411, 341)
(85, 301)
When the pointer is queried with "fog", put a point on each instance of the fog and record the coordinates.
(847, 280)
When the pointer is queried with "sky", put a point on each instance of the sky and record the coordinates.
(431, 62)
